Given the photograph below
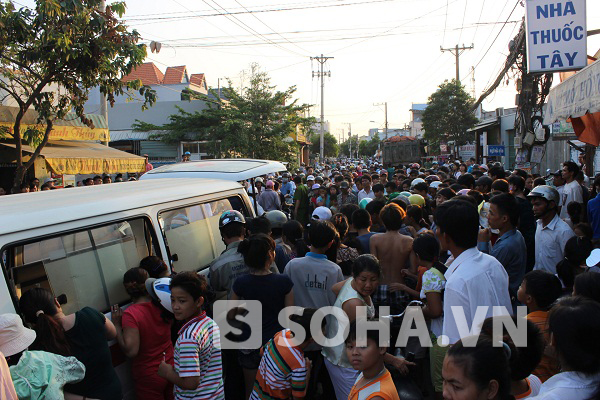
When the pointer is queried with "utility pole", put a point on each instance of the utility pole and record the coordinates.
(349, 137)
(386, 120)
(457, 51)
(321, 74)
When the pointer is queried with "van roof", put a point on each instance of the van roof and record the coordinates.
(20, 212)
(234, 169)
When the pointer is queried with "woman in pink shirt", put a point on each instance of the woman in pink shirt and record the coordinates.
(144, 334)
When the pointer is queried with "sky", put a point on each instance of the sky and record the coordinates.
(383, 50)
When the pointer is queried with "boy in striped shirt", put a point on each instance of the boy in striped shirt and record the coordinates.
(284, 372)
(198, 370)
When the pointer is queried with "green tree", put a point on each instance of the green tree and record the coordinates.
(344, 147)
(330, 145)
(448, 114)
(256, 122)
(369, 147)
(53, 55)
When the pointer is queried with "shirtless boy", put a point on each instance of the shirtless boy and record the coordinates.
(393, 250)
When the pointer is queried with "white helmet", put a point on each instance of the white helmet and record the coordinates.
(545, 191)
(415, 181)
(159, 289)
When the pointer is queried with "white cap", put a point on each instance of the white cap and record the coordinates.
(49, 180)
(593, 259)
(315, 186)
(310, 178)
(321, 214)
(435, 184)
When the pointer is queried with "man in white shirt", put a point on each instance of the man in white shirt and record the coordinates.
(473, 279)
(366, 188)
(551, 233)
(572, 190)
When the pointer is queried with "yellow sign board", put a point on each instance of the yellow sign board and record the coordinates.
(67, 132)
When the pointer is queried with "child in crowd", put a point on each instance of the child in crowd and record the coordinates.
(477, 372)
(274, 291)
(524, 359)
(198, 370)
(284, 372)
(374, 381)
(574, 325)
(538, 291)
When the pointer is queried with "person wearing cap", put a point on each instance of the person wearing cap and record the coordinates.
(321, 214)
(49, 182)
(269, 199)
(186, 156)
(559, 184)
(230, 264)
(148, 166)
(288, 187)
(144, 336)
(552, 233)
(572, 191)
(32, 374)
(346, 196)
(223, 272)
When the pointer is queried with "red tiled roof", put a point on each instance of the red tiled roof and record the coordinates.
(197, 79)
(401, 139)
(147, 72)
(174, 75)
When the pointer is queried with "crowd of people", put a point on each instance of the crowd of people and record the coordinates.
(452, 238)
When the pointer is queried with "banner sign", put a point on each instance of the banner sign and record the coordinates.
(556, 35)
(497, 151)
(574, 97)
(467, 151)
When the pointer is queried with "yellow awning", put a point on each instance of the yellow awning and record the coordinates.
(77, 157)
(70, 128)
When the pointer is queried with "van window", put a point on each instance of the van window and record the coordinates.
(192, 232)
(87, 266)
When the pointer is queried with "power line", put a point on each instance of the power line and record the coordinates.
(221, 14)
(391, 29)
(496, 38)
(445, 22)
(262, 22)
(246, 27)
(463, 20)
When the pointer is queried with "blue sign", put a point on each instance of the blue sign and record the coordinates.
(495, 151)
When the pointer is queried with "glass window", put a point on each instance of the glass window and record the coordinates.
(192, 232)
(86, 266)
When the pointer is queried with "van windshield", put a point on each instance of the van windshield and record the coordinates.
(87, 266)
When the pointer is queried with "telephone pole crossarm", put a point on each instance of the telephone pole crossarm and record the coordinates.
(457, 51)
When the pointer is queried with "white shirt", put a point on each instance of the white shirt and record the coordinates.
(363, 195)
(570, 385)
(473, 279)
(550, 243)
(571, 192)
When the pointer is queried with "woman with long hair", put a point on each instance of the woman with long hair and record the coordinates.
(83, 335)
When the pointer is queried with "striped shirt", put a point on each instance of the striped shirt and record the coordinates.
(198, 353)
(282, 370)
(382, 386)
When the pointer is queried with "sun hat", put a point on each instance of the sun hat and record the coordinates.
(14, 337)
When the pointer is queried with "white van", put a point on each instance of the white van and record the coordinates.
(79, 242)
